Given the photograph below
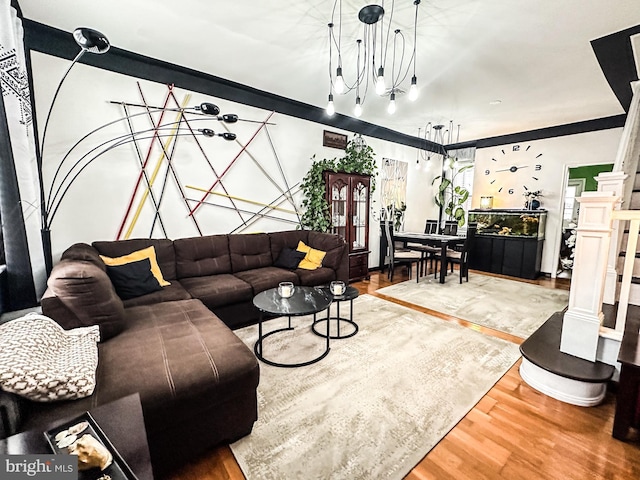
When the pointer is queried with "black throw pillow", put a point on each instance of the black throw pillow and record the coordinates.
(289, 258)
(133, 279)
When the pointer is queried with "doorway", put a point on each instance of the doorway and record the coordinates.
(580, 179)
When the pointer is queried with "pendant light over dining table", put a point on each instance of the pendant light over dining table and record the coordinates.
(386, 73)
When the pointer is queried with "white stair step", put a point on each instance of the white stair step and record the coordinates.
(634, 294)
(635, 201)
(636, 266)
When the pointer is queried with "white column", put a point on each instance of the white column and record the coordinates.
(581, 327)
(612, 182)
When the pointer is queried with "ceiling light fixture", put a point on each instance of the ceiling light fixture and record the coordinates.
(438, 134)
(371, 60)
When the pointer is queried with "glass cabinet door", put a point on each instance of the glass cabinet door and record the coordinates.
(360, 215)
(338, 192)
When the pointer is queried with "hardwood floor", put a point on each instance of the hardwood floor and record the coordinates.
(514, 432)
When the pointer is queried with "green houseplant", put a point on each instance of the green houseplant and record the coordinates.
(358, 158)
(449, 196)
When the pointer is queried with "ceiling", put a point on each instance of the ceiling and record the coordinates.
(493, 67)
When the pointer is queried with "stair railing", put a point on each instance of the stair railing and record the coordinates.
(633, 217)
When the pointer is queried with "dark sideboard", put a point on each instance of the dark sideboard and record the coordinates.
(508, 241)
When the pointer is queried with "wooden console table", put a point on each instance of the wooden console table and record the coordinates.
(628, 397)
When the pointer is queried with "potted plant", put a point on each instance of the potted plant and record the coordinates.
(532, 202)
(449, 196)
(358, 158)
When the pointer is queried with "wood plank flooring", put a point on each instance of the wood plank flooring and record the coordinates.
(514, 432)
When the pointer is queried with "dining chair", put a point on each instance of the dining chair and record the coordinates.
(450, 227)
(397, 254)
(427, 251)
(459, 256)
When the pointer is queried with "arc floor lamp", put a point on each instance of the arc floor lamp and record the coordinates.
(92, 41)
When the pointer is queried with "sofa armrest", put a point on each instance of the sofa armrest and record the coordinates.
(85, 296)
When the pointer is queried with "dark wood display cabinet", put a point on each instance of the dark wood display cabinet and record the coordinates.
(508, 241)
(348, 197)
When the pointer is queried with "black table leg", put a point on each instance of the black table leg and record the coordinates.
(443, 262)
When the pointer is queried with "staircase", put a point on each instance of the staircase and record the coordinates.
(575, 353)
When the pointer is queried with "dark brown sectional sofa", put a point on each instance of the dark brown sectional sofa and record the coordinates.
(196, 380)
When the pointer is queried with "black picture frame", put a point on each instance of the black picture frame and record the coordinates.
(334, 139)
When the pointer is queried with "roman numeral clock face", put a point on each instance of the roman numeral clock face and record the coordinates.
(515, 170)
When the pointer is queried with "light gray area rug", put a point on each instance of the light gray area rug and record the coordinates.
(509, 306)
(376, 405)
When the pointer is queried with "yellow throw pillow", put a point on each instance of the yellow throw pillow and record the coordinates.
(313, 258)
(149, 252)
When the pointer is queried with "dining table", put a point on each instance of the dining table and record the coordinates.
(433, 239)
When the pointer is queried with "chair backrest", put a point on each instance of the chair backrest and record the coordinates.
(450, 227)
(388, 231)
(431, 227)
(468, 242)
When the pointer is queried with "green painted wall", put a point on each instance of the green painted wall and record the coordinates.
(590, 172)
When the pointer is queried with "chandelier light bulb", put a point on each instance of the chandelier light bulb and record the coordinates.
(331, 109)
(357, 111)
(380, 88)
(339, 84)
(392, 104)
(413, 90)
(417, 164)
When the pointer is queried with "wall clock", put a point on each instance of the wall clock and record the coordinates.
(516, 169)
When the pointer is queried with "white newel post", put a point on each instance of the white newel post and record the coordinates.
(612, 182)
(581, 327)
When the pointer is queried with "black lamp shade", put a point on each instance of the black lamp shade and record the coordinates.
(209, 108)
(230, 118)
(91, 40)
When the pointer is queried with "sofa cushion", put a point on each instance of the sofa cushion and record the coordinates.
(218, 290)
(319, 276)
(262, 279)
(287, 238)
(334, 245)
(173, 292)
(185, 360)
(85, 253)
(133, 279)
(202, 256)
(249, 251)
(312, 259)
(148, 253)
(165, 253)
(87, 292)
(289, 258)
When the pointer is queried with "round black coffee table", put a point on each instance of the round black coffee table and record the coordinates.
(304, 301)
(349, 295)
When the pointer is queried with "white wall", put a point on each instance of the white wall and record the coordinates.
(95, 205)
(558, 154)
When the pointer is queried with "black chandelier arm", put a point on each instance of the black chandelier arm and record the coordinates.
(62, 192)
(395, 79)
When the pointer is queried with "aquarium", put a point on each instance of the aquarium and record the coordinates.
(509, 222)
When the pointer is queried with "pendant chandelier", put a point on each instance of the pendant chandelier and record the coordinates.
(380, 59)
(435, 133)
